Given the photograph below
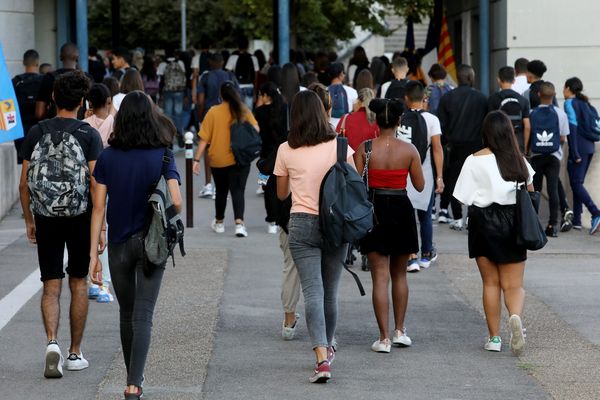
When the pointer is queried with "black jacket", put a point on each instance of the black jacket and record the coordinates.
(461, 113)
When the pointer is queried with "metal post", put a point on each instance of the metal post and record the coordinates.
(484, 46)
(284, 31)
(82, 33)
(62, 26)
(183, 26)
(189, 179)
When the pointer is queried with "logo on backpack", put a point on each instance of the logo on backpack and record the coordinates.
(58, 175)
(413, 129)
(174, 77)
(545, 138)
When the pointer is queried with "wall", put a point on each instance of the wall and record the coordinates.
(9, 178)
(45, 31)
(16, 31)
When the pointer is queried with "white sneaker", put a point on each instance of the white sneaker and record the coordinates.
(413, 265)
(288, 332)
(54, 361)
(401, 339)
(517, 338)
(493, 344)
(260, 190)
(207, 191)
(272, 228)
(76, 362)
(240, 230)
(444, 217)
(382, 346)
(218, 227)
(104, 296)
(457, 225)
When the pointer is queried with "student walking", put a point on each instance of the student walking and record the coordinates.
(359, 125)
(55, 216)
(342, 96)
(229, 177)
(302, 162)
(125, 172)
(487, 184)
(389, 161)
(582, 122)
(437, 88)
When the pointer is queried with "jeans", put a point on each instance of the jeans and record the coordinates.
(136, 294)
(173, 107)
(426, 227)
(549, 166)
(581, 196)
(290, 288)
(232, 180)
(457, 155)
(247, 94)
(319, 269)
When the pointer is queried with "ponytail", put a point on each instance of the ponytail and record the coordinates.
(576, 87)
(230, 95)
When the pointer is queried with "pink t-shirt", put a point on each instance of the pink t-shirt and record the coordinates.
(306, 166)
(103, 126)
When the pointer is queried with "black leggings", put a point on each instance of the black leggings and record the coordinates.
(230, 180)
(457, 155)
(136, 294)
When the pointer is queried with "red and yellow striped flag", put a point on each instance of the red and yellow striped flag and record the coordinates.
(445, 53)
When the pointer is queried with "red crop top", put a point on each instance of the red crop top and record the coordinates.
(387, 178)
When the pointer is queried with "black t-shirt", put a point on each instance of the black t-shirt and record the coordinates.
(97, 70)
(270, 138)
(27, 87)
(47, 87)
(496, 100)
(461, 113)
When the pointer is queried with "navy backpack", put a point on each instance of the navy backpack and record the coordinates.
(545, 130)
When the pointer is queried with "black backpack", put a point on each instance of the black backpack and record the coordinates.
(512, 107)
(244, 69)
(27, 87)
(413, 129)
(245, 143)
(345, 213)
(397, 90)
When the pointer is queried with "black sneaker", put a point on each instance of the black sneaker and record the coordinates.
(551, 231)
(566, 224)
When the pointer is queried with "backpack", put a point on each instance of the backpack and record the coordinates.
(413, 129)
(151, 86)
(339, 101)
(396, 90)
(245, 143)
(174, 77)
(164, 227)
(345, 213)
(244, 68)
(436, 93)
(545, 130)
(26, 89)
(58, 175)
(512, 107)
(589, 126)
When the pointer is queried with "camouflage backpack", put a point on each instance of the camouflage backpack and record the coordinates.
(58, 175)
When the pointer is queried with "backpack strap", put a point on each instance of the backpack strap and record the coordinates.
(343, 127)
(342, 149)
(166, 161)
(361, 289)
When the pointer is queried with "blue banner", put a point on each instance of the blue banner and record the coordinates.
(11, 126)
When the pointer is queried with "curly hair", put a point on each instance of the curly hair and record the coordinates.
(70, 89)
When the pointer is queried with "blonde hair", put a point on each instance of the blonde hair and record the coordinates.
(365, 95)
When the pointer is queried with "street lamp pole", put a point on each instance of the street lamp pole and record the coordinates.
(283, 11)
(183, 26)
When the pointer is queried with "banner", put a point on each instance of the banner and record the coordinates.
(11, 126)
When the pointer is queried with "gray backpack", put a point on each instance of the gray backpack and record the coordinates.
(58, 175)
(164, 227)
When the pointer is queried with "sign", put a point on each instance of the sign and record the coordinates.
(11, 126)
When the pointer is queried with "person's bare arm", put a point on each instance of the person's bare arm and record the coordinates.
(26, 202)
(283, 187)
(526, 133)
(97, 230)
(359, 158)
(175, 194)
(41, 109)
(194, 85)
(199, 151)
(416, 171)
(438, 161)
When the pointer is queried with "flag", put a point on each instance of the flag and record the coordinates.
(445, 52)
(409, 43)
(11, 126)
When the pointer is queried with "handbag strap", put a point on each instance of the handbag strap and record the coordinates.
(368, 151)
(343, 127)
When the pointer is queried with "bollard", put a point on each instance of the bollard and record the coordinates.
(189, 179)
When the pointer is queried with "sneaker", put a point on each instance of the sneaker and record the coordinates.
(413, 265)
(577, 227)
(288, 332)
(493, 344)
(551, 231)
(218, 227)
(433, 214)
(93, 291)
(54, 361)
(427, 259)
(260, 190)
(457, 225)
(566, 222)
(240, 230)
(134, 396)
(207, 191)
(331, 354)
(517, 338)
(444, 217)
(272, 228)
(104, 296)
(382, 346)
(401, 339)
(262, 179)
(595, 224)
(76, 362)
(322, 373)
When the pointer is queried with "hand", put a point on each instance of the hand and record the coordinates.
(88, 113)
(95, 270)
(196, 168)
(102, 244)
(194, 99)
(439, 185)
(30, 227)
(578, 161)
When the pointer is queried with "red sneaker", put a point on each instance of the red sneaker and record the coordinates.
(322, 373)
(330, 355)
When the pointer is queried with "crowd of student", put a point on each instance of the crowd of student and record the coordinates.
(410, 138)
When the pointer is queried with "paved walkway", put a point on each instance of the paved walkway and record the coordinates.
(218, 321)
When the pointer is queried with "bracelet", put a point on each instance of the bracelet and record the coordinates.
(196, 160)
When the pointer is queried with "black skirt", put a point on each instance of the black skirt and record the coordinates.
(492, 234)
(395, 227)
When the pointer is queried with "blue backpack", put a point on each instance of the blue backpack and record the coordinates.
(545, 130)
(589, 126)
(339, 101)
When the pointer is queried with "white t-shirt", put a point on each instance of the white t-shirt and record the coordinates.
(421, 200)
(161, 67)
(563, 125)
(117, 99)
(520, 85)
(195, 62)
(480, 183)
(352, 96)
(232, 61)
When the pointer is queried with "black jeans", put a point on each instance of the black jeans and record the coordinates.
(136, 294)
(271, 201)
(546, 165)
(457, 155)
(230, 180)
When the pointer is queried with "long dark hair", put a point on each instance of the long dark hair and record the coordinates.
(309, 122)
(290, 81)
(387, 112)
(149, 69)
(230, 95)
(576, 86)
(139, 124)
(277, 120)
(132, 80)
(499, 137)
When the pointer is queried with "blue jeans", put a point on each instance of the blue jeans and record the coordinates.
(173, 107)
(319, 269)
(581, 196)
(247, 95)
(426, 227)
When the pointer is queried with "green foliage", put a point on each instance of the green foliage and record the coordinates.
(315, 24)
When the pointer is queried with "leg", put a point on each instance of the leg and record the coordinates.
(207, 172)
(51, 307)
(511, 281)
(168, 105)
(271, 202)
(221, 177)
(552, 171)
(380, 273)
(78, 312)
(178, 111)
(332, 263)
(397, 270)
(238, 176)
(426, 228)
(562, 196)
(290, 288)
(491, 293)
